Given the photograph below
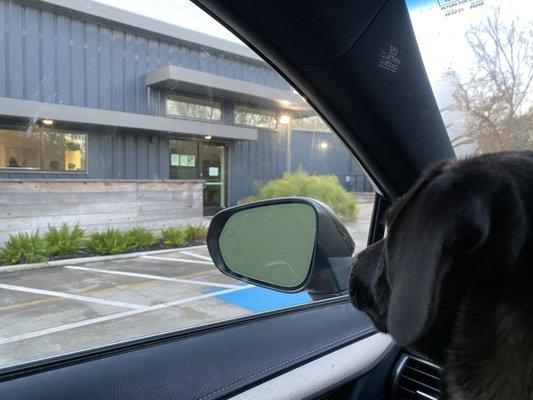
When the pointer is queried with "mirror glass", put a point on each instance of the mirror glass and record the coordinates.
(273, 244)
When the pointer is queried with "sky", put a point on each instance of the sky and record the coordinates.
(441, 35)
(177, 12)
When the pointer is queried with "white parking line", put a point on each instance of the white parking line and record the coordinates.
(178, 260)
(72, 296)
(201, 257)
(154, 277)
(105, 318)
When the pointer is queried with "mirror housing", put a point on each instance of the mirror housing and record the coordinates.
(331, 253)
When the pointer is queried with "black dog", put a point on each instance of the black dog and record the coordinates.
(453, 279)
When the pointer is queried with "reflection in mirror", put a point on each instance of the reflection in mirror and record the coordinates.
(272, 244)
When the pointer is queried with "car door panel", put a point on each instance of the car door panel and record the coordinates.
(331, 370)
(215, 364)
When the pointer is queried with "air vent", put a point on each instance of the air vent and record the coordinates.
(416, 379)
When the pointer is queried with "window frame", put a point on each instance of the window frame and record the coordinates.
(255, 110)
(40, 169)
(194, 100)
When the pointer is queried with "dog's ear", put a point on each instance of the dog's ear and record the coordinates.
(448, 217)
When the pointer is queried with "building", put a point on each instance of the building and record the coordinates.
(111, 118)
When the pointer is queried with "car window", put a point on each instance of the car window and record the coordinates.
(479, 58)
(124, 127)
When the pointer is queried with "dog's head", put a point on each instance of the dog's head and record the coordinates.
(461, 223)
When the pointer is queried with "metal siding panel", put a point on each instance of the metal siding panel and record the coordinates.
(260, 156)
(3, 48)
(31, 54)
(267, 167)
(104, 68)
(184, 56)
(130, 153)
(281, 158)
(171, 53)
(237, 70)
(232, 187)
(105, 145)
(164, 56)
(247, 72)
(117, 70)
(215, 65)
(91, 65)
(194, 60)
(153, 54)
(48, 58)
(142, 157)
(93, 155)
(163, 157)
(63, 60)
(251, 155)
(175, 55)
(78, 62)
(153, 63)
(14, 52)
(203, 56)
(238, 180)
(130, 78)
(153, 157)
(141, 65)
(118, 155)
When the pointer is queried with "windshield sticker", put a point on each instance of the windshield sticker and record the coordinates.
(454, 7)
(389, 59)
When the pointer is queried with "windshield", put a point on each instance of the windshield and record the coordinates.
(478, 56)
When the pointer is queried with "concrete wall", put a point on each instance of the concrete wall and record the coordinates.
(97, 205)
(59, 58)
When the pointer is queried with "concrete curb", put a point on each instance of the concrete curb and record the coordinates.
(83, 260)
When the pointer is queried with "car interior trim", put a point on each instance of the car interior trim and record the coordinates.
(324, 372)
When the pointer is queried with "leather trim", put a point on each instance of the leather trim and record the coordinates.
(322, 374)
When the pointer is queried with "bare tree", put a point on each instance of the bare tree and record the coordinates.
(496, 96)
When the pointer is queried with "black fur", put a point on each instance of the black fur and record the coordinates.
(453, 278)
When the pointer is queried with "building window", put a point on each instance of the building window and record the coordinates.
(43, 150)
(312, 123)
(255, 117)
(189, 107)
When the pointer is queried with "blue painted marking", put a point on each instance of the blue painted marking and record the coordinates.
(258, 299)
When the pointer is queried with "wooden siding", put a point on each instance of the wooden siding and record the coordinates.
(97, 205)
(63, 59)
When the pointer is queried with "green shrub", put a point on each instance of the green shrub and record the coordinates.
(174, 237)
(325, 188)
(63, 241)
(140, 238)
(111, 241)
(24, 248)
(196, 233)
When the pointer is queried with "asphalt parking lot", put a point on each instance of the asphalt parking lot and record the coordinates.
(56, 310)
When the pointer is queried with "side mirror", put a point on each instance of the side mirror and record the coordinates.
(287, 244)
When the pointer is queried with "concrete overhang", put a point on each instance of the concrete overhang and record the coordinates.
(189, 81)
(34, 110)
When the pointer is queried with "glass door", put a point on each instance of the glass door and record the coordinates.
(213, 172)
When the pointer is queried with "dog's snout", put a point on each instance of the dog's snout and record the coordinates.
(369, 291)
